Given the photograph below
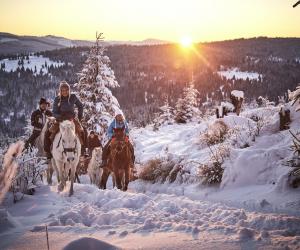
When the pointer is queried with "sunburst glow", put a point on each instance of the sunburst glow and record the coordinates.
(186, 42)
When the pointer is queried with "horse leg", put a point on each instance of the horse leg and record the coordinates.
(72, 177)
(62, 177)
(77, 177)
(98, 177)
(53, 163)
(126, 181)
(118, 178)
(113, 179)
(49, 173)
(104, 178)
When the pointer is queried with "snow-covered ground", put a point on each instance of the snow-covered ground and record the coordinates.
(235, 72)
(38, 64)
(251, 209)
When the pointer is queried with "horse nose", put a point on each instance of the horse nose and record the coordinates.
(70, 159)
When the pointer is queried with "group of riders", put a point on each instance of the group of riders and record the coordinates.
(64, 106)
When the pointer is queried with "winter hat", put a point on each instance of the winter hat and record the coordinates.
(43, 101)
(119, 112)
(63, 84)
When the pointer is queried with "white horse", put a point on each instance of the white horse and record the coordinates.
(39, 144)
(94, 170)
(66, 154)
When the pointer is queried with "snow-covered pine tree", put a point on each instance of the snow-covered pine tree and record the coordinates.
(294, 96)
(94, 88)
(187, 107)
(166, 115)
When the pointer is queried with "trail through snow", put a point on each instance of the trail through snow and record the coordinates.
(253, 208)
(115, 217)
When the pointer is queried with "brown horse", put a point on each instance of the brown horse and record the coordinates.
(119, 161)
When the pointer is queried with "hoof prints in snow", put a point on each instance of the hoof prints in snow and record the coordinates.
(123, 213)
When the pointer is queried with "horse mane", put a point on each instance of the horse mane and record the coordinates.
(67, 125)
(118, 131)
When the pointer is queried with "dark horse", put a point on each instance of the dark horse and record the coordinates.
(119, 161)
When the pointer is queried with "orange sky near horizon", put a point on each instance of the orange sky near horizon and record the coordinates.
(202, 20)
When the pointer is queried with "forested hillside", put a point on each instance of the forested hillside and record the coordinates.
(147, 74)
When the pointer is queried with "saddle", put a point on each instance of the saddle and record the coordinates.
(54, 129)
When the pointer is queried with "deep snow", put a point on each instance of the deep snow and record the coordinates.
(252, 209)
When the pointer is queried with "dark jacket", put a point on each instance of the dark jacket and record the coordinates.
(38, 118)
(64, 107)
(93, 142)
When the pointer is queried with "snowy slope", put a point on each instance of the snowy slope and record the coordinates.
(237, 74)
(13, 44)
(39, 63)
(252, 209)
(260, 167)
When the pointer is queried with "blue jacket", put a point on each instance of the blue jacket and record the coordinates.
(66, 109)
(115, 124)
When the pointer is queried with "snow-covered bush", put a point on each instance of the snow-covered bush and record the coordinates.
(212, 172)
(157, 170)
(294, 175)
(21, 171)
(264, 102)
(187, 107)
(9, 168)
(294, 96)
(224, 109)
(215, 133)
(30, 169)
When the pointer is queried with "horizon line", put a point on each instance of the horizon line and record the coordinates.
(158, 39)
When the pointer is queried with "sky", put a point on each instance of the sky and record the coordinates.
(201, 20)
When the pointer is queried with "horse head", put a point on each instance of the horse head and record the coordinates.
(69, 140)
(49, 121)
(119, 133)
(97, 154)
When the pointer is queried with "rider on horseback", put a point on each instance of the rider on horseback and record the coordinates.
(38, 120)
(64, 109)
(118, 122)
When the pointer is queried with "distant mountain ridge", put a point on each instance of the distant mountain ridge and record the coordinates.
(13, 44)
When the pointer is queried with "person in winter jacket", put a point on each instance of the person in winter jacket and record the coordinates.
(64, 109)
(93, 141)
(118, 122)
(38, 120)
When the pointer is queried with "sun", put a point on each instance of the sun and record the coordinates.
(186, 42)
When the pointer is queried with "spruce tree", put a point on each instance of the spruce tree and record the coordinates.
(187, 107)
(94, 88)
(166, 116)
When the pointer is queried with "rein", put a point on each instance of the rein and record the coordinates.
(70, 150)
(66, 150)
(119, 151)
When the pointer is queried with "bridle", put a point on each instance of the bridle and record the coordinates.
(123, 145)
(67, 150)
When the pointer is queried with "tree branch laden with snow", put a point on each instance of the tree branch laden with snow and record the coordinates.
(94, 87)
